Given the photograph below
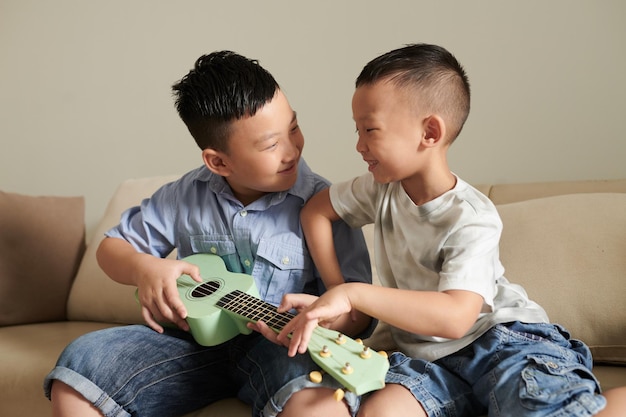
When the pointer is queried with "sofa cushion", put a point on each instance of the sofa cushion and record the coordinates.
(511, 193)
(42, 240)
(94, 296)
(569, 253)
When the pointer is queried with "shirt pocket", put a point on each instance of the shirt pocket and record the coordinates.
(281, 268)
(220, 245)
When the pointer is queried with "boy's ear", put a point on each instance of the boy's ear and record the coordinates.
(434, 130)
(216, 162)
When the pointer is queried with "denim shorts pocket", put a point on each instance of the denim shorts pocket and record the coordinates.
(548, 380)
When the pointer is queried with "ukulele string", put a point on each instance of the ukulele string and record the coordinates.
(255, 309)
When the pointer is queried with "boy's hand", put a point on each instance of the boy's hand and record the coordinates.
(298, 302)
(324, 311)
(157, 291)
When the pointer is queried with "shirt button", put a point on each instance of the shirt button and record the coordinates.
(243, 213)
(247, 263)
(213, 249)
(285, 260)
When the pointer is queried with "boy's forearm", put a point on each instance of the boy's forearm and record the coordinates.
(317, 217)
(117, 258)
(445, 314)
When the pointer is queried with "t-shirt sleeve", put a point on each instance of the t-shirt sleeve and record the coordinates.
(355, 200)
(471, 258)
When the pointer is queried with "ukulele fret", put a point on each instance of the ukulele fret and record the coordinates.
(253, 309)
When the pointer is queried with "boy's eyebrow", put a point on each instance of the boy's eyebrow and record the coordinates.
(364, 118)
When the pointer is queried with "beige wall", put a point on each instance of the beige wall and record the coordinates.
(85, 85)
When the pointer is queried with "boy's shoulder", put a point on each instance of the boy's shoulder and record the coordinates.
(467, 205)
(471, 195)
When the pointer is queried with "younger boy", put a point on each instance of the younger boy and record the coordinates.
(471, 342)
(244, 205)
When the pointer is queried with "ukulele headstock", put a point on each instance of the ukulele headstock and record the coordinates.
(358, 368)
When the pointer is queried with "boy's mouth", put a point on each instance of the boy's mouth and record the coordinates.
(371, 164)
(289, 170)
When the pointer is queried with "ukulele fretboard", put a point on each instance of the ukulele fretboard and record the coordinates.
(253, 309)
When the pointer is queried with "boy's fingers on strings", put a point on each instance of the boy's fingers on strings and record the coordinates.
(300, 331)
(295, 302)
(268, 333)
(306, 333)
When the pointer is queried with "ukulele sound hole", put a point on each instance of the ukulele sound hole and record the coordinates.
(206, 289)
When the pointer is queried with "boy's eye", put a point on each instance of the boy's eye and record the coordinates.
(295, 128)
(272, 146)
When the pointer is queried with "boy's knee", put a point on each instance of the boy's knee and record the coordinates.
(392, 401)
(311, 402)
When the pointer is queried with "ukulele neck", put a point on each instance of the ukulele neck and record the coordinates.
(254, 309)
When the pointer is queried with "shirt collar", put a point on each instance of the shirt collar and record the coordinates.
(304, 188)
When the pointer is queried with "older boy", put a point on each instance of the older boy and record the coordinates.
(471, 342)
(243, 204)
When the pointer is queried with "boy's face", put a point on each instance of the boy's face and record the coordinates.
(390, 131)
(263, 152)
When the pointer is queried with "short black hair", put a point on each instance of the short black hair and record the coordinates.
(431, 73)
(222, 87)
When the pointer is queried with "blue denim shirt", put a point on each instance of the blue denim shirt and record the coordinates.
(198, 213)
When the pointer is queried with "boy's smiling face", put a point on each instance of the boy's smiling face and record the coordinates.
(389, 131)
(263, 152)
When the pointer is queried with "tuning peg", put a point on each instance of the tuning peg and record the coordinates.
(315, 377)
(339, 394)
(341, 339)
(325, 352)
(366, 353)
(347, 369)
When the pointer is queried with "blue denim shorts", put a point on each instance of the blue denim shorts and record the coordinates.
(514, 369)
(133, 370)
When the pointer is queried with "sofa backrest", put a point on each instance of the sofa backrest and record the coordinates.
(564, 242)
(569, 253)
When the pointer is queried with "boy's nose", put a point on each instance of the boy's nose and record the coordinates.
(293, 151)
(360, 146)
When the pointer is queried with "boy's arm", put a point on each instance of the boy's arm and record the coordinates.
(317, 217)
(155, 279)
(448, 314)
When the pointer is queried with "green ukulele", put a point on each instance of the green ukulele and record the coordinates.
(219, 308)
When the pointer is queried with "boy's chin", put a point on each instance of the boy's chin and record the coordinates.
(286, 184)
(289, 184)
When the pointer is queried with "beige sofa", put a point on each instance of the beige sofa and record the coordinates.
(565, 242)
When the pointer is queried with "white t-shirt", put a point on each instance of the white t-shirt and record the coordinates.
(449, 243)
